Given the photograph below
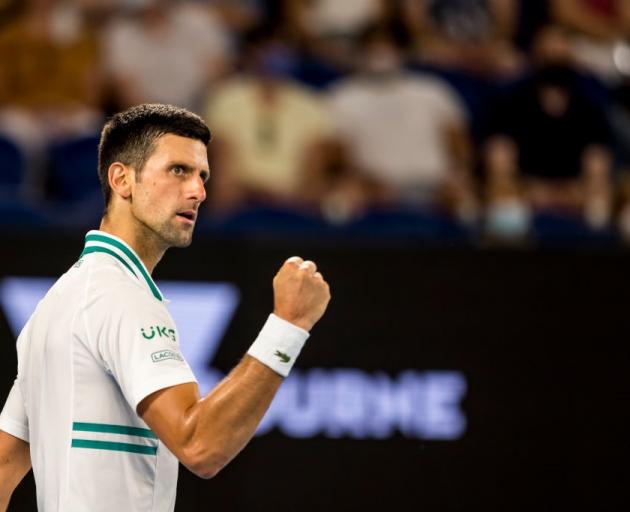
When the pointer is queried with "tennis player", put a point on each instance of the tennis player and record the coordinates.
(104, 404)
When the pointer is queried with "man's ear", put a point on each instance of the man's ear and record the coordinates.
(120, 179)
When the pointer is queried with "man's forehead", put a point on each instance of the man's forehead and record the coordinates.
(175, 147)
(173, 141)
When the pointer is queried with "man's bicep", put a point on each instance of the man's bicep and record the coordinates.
(139, 346)
(167, 413)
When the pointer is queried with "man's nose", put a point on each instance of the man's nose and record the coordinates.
(197, 189)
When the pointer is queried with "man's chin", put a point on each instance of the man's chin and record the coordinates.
(181, 244)
(182, 239)
(178, 237)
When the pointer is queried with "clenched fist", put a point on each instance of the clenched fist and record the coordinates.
(300, 293)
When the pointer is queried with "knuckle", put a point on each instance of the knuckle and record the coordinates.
(308, 265)
(295, 260)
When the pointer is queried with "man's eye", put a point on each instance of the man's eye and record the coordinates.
(177, 170)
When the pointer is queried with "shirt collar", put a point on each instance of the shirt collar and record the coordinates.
(99, 241)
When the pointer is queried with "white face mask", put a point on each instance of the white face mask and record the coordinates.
(382, 63)
(508, 219)
(66, 23)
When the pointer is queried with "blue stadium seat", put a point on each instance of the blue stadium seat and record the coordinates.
(420, 224)
(557, 228)
(17, 214)
(269, 219)
(73, 169)
(77, 215)
(12, 166)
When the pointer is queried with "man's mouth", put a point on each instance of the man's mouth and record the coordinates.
(189, 215)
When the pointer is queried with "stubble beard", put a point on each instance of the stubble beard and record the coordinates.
(167, 233)
(174, 236)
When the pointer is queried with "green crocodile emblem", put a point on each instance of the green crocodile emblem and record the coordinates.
(282, 356)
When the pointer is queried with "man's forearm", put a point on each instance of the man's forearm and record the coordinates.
(10, 476)
(207, 433)
(15, 462)
(226, 419)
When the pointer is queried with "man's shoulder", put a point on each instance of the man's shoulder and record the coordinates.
(108, 281)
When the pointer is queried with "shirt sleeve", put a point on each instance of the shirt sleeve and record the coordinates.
(13, 419)
(138, 344)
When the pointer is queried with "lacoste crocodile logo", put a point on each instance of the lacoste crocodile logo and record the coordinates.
(282, 356)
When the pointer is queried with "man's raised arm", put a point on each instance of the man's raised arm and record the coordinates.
(207, 433)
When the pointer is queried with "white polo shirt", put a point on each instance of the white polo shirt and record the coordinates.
(97, 344)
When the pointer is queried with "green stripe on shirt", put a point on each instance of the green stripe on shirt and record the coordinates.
(134, 259)
(90, 250)
(106, 428)
(116, 447)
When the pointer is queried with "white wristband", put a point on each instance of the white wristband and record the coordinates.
(278, 344)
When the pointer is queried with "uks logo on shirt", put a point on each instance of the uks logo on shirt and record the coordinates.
(159, 331)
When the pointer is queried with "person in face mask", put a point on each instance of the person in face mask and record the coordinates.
(271, 146)
(550, 147)
(403, 134)
(381, 57)
(165, 52)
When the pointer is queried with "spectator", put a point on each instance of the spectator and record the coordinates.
(326, 30)
(550, 149)
(330, 18)
(531, 16)
(598, 29)
(49, 79)
(404, 134)
(620, 120)
(166, 52)
(239, 16)
(271, 131)
(471, 35)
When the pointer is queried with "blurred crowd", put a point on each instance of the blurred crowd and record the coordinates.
(488, 113)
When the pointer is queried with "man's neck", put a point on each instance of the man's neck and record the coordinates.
(140, 238)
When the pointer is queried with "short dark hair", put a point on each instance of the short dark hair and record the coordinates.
(129, 137)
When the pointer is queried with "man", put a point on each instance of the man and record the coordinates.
(103, 397)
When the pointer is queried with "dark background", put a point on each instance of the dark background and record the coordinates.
(541, 336)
